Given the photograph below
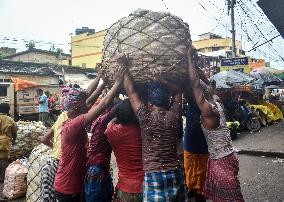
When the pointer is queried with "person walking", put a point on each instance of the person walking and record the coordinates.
(8, 135)
(43, 106)
(160, 124)
(69, 179)
(53, 139)
(222, 182)
(124, 136)
(98, 181)
(195, 153)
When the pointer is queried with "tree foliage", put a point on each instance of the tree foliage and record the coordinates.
(30, 45)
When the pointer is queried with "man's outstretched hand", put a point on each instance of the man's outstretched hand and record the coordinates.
(122, 60)
(121, 69)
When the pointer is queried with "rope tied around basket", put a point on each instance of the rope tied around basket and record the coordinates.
(152, 40)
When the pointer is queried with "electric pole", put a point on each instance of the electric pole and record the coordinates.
(231, 5)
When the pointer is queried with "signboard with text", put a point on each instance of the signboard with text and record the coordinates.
(257, 63)
(237, 64)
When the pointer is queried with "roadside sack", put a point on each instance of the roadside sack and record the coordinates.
(15, 183)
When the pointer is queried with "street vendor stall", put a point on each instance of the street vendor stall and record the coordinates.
(234, 88)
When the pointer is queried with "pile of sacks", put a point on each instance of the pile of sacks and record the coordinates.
(15, 183)
(28, 132)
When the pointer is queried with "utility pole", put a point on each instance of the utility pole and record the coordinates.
(231, 5)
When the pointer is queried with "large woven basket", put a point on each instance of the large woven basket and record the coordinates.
(38, 157)
(153, 40)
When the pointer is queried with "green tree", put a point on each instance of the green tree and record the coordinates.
(52, 48)
(59, 51)
(30, 45)
(2, 55)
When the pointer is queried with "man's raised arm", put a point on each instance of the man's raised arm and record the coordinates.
(204, 106)
(128, 85)
(93, 113)
(93, 86)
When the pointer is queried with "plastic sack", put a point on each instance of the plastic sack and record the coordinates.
(15, 183)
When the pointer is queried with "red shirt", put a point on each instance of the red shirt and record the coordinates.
(126, 143)
(99, 152)
(69, 178)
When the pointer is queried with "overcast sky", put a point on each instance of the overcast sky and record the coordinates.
(51, 21)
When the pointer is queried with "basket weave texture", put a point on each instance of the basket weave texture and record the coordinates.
(38, 157)
(153, 40)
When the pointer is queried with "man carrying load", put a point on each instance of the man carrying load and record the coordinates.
(159, 123)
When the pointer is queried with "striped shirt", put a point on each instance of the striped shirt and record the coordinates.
(219, 140)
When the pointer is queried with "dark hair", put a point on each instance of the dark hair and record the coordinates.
(124, 113)
(213, 84)
(76, 86)
(40, 90)
(158, 94)
(4, 108)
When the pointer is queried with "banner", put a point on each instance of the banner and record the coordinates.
(237, 64)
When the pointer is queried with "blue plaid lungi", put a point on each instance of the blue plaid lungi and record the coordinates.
(98, 184)
(164, 186)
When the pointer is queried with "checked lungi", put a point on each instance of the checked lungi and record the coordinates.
(164, 186)
(48, 172)
(222, 182)
(98, 184)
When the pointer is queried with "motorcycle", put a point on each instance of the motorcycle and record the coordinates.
(251, 120)
(247, 118)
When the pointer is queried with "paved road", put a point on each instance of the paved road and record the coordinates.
(262, 179)
(270, 138)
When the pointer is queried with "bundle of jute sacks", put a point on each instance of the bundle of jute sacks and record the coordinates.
(154, 41)
(28, 132)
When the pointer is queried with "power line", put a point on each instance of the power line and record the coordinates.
(248, 14)
(212, 16)
(14, 40)
(219, 21)
(267, 55)
(265, 42)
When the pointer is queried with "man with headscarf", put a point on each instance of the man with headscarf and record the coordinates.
(160, 126)
(69, 179)
(53, 139)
